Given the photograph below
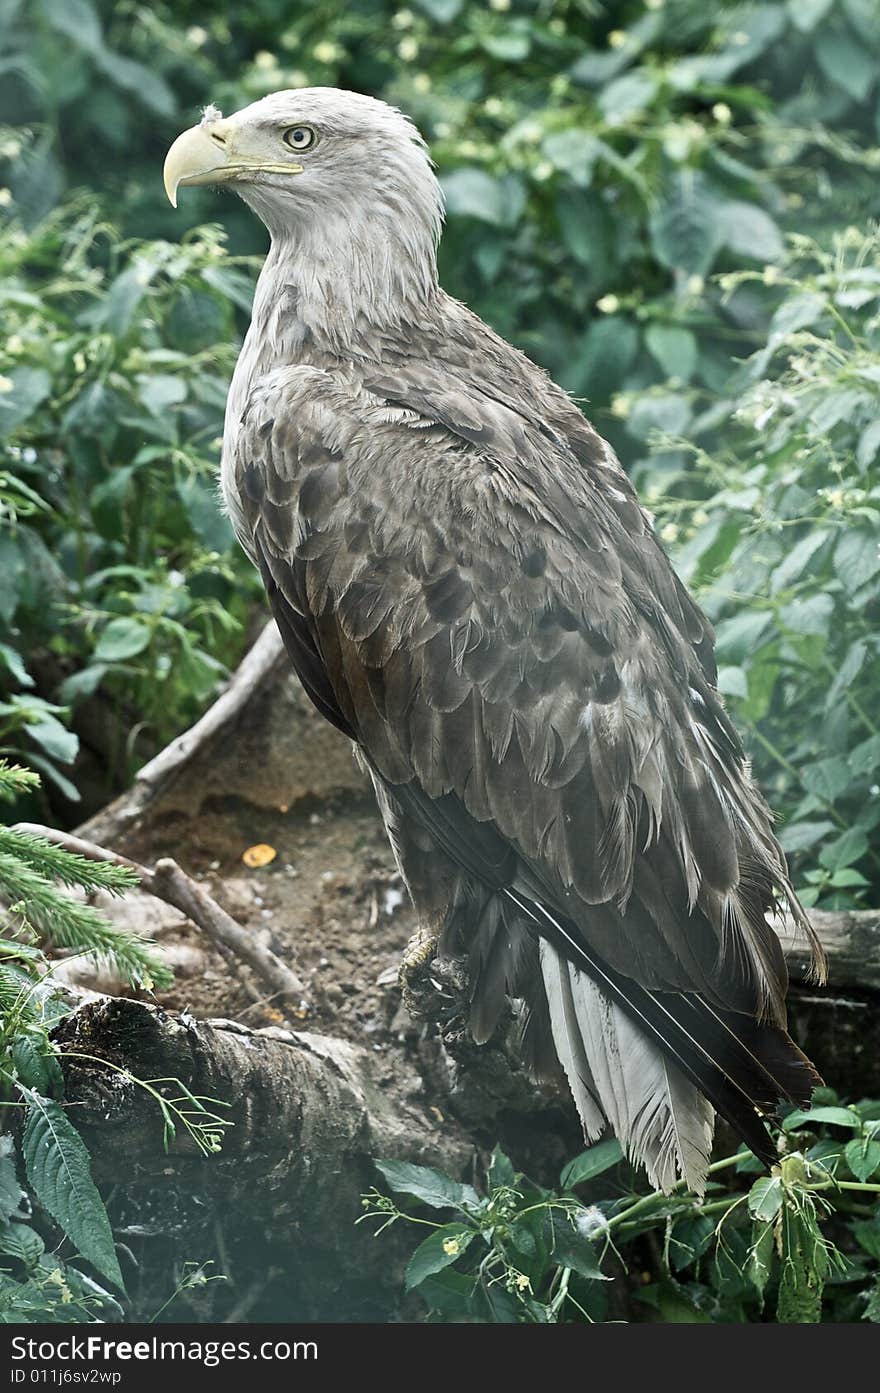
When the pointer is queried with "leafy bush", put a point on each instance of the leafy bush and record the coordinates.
(801, 1245)
(36, 1283)
(768, 493)
(120, 573)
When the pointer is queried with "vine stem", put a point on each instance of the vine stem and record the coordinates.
(168, 1106)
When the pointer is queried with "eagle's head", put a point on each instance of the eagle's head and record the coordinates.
(313, 157)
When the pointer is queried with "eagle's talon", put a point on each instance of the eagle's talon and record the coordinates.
(418, 987)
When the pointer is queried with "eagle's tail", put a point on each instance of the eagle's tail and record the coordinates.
(653, 1065)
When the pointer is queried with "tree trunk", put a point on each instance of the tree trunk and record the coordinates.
(306, 1114)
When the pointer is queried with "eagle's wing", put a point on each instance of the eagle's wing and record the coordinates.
(482, 605)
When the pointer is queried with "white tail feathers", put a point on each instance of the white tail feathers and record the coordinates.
(618, 1076)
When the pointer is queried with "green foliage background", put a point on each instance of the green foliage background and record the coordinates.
(670, 205)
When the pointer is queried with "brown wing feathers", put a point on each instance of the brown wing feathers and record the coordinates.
(510, 648)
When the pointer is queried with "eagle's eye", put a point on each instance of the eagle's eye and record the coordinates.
(299, 137)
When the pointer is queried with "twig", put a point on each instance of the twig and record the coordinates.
(169, 883)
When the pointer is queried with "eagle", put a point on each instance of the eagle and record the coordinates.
(470, 591)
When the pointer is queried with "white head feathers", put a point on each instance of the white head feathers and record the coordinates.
(362, 220)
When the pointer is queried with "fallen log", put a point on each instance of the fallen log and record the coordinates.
(851, 939)
(306, 1114)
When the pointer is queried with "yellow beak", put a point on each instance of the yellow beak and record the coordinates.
(207, 154)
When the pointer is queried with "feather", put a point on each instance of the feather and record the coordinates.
(660, 1119)
(569, 1042)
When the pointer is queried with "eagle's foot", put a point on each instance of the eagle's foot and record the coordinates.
(432, 988)
(414, 975)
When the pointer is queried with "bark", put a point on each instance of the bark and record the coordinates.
(851, 938)
(307, 1113)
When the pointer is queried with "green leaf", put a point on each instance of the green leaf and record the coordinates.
(20, 1241)
(572, 1249)
(439, 1250)
(827, 777)
(11, 1193)
(11, 660)
(848, 64)
(58, 1168)
(868, 446)
(54, 775)
(737, 637)
(806, 14)
(628, 95)
(862, 1157)
(208, 521)
(849, 847)
(732, 682)
(798, 312)
(12, 569)
(55, 739)
(808, 616)
(673, 348)
(442, 10)
(589, 1164)
(82, 684)
(867, 1234)
(115, 310)
(657, 413)
(857, 557)
(472, 193)
(510, 46)
(848, 878)
(600, 366)
(233, 285)
(501, 1170)
(760, 1256)
(800, 836)
(803, 1269)
(430, 1186)
(796, 561)
(812, 1117)
(574, 152)
(36, 180)
(37, 1068)
(689, 1240)
(161, 391)
(23, 390)
(749, 231)
(684, 227)
(77, 21)
(765, 1198)
(121, 639)
(145, 84)
(865, 757)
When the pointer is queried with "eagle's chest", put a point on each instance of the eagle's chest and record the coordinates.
(277, 338)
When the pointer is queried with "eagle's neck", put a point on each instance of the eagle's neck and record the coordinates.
(338, 290)
(338, 283)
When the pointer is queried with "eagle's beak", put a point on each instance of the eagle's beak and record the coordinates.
(207, 154)
(196, 158)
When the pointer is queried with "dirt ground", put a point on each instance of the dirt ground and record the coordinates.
(330, 904)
